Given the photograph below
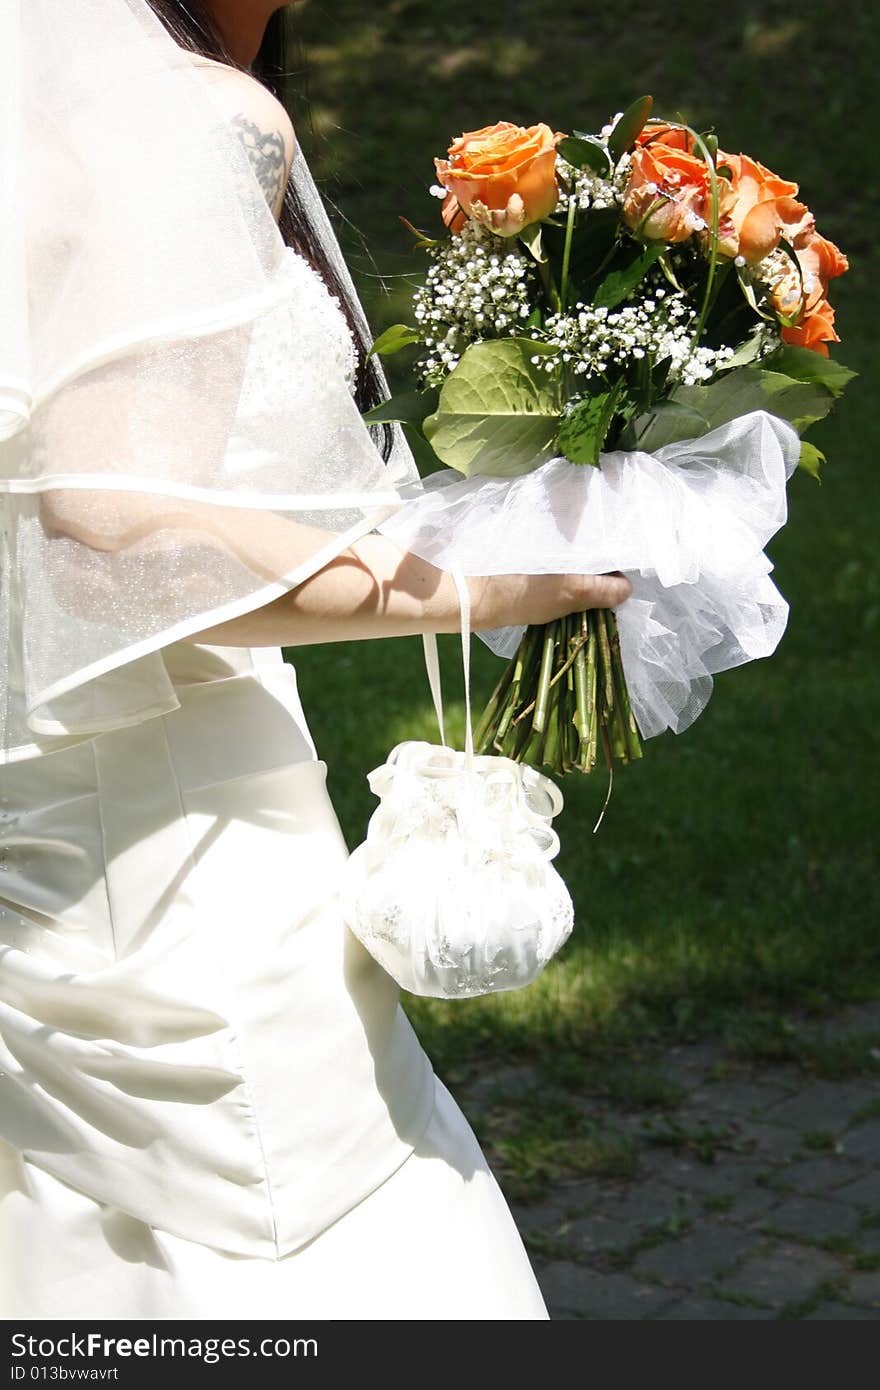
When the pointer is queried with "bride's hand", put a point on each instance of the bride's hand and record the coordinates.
(506, 600)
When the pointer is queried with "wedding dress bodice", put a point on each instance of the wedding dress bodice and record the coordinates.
(173, 661)
(213, 377)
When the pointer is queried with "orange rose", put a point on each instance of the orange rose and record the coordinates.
(815, 329)
(665, 198)
(820, 261)
(791, 290)
(452, 215)
(804, 287)
(750, 219)
(503, 176)
(798, 223)
(658, 132)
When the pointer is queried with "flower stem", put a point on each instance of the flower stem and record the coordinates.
(632, 742)
(549, 288)
(592, 690)
(550, 751)
(606, 675)
(582, 713)
(713, 238)
(496, 702)
(566, 250)
(539, 718)
(582, 702)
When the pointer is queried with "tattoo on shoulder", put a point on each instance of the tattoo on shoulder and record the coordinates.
(265, 149)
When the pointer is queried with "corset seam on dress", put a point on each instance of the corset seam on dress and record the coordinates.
(100, 815)
(235, 1038)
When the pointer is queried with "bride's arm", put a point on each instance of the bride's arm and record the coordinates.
(371, 589)
(374, 589)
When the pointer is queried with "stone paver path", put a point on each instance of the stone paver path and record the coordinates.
(773, 1213)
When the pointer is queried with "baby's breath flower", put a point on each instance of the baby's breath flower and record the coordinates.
(658, 323)
(591, 190)
(478, 286)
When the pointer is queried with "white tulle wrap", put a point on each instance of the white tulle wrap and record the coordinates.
(687, 525)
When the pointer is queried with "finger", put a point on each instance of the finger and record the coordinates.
(609, 590)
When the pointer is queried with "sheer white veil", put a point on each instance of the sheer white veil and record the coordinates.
(169, 369)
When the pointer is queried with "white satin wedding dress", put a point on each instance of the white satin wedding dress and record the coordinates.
(212, 1103)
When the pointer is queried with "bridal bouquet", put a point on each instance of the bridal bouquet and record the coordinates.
(614, 330)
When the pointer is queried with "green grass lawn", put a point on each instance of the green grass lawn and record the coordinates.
(732, 881)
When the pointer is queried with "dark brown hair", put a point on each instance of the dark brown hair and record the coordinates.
(191, 26)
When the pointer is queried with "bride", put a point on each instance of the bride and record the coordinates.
(211, 1102)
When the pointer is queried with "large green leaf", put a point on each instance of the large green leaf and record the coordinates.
(665, 423)
(498, 411)
(805, 365)
(620, 283)
(735, 393)
(802, 403)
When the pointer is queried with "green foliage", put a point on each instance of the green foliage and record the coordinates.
(594, 246)
(425, 458)
(619, 284)
(398, 336)
(734, 393)
(819, 1140)
(530, 237)
(801, 364)
(747, 351)
(498, 411)
(811, 459)
(585, 152)
(629, 127)
(583, 430)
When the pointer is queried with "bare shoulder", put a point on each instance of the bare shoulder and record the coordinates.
(263, 125)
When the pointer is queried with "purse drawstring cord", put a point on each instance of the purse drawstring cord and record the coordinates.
(432, 665)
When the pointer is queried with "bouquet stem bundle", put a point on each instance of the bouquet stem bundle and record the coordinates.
(580, 700)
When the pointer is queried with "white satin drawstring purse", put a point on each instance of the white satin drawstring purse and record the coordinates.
(453, 891)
